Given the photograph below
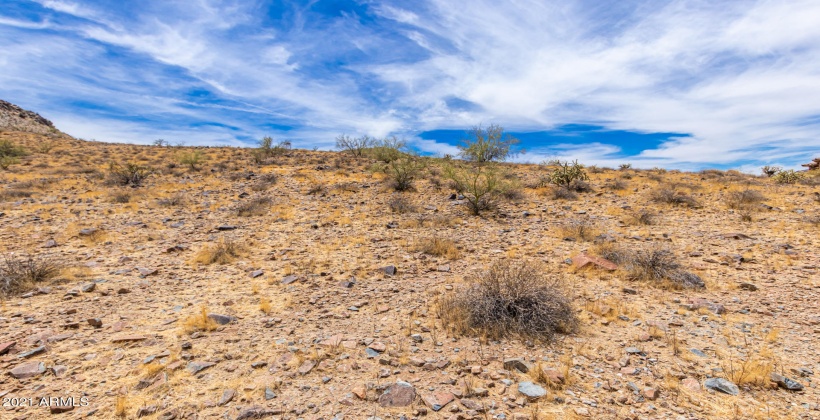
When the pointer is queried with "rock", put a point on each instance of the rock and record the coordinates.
(223, 228)
(633, 350)
(531, 390)
(306, 367)
(257, 273)
(360, 392)
(269, 394)
(377, 346)
(690, 384)
(51, 243)
(438, 400)
(28, 370)
(168, 415)
(290, 279)
(32, 352)
(400, 394)
(786, 383)
(125, 338)
(697, 352)
(227, 396)
(748, 286)
(59, 370)
(88, 287)
(146, 410)
(196, 367)
(585, 260)
(222, 319)
(257, 413)
(88, 231)
(94, 322)
(696, 304)
(553, 375)
(651, 393)
(145, 272)
(5, 347)
(722, 385)
(517, 363)
(390, 270)
(57, 407)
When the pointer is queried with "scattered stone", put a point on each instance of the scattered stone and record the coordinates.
(95, 322)
(269, 394)
(585, 260)
(28, 370)
(377, 346)
(257, 273)
(146, 410)
(222, 319)
(651, 393)
(60, 406)
(390, 270)
(223, 228)
(196, 367)
(145, 272)
(257, 413)
(531, 390)
(360, 392)
(691, 384)
(722, 385)
(306, 367)
(748, 286)
(88, 287)
(51, 243)
(517, 363)
(32, 352)
(786, 383)
(5, 347)
(290, 279)
(227, 396)
(697, 352)
(125, 338)
(400, 394)
(696, 304)
(88, 231)
(438, 400)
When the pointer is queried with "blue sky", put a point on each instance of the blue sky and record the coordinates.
(676, 84)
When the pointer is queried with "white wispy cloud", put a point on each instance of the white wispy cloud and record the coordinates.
(742, 79)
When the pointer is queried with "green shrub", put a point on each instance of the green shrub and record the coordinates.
(131, 174)
(388, 149)
(191, 159)
(568, 173)
(788, 177)
(481, 185)
(487, 145)
(402, 172)
(9, 148)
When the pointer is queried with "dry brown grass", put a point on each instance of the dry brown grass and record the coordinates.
(439, 247)
(672, 196)
(511, 299)
(579, 229)
(19, 273)
(258, 206)
(222, 252)
(657, 265)
(199, 322)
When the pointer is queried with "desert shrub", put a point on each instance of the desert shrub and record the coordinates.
(267, 150)
(617, 185)
(355, 146)
(672, 196)
(19, 273)
(401, 205)
(191, 159)
(656, 265)
(595, 169)
(132, 174)
(511, 299)
(562, 193)
(11, 149)
(770, 171)
(481, 185)
(221, 252)
(176, 199)
(121, 197)
(513, 194)
(258, 206)
(264, 182)
(567, 173)
(743, 199)
(439, 247)
(625, 166)
(7, 161)
(403, 171)
(387, 150)
(487, 144)
(579, 229)
(642, 217)
(317, 189)
(788, 177)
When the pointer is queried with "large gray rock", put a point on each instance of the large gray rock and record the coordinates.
(531, 390)
(28, 370)
(786, 383)
(722, 385)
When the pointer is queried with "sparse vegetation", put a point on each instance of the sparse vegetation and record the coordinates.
(401, 205)
(403, 171)
(21, 272)
(579, 230)
(672, 196)
(511, 299)
(192, 159)
(569, 175)
(743, 199)
(356, 146)
(489, 144)
(655, 265)
(770, 171)
(130, 174)
(788, 177)
(481, 185)
(258, 206)
(439, 247)
(222, 252)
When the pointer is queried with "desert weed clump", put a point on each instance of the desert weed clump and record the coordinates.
(222, 252)
(656, 265)
(198, 321)
(743, 199)
(672, 196)
(579, 229)
(481, 185)
(129, 174)
(439, 247)
(258, 206)
(19, 273)
(511, 299)
(788, 177)
(401, 205)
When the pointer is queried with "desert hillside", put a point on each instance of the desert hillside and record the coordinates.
(14, 118)
(180, 282)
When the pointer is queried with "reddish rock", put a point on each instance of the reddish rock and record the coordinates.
(306, 367)
(126, 338)
(585, 260)
(378, 346)
(690, 384)
(334, 341)
(360, 392)
(5, 347)
(400, 394)
(629, 371)
(438, 400)
(651, 393)
(553, 375)
(28, 370)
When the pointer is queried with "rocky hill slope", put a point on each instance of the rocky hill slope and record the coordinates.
(14, 118)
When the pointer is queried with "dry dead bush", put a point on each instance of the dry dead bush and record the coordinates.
(176, 199)
(121, 197)
(579, 230)
(265, 182)
(401, 205)
(199, 322)
(258, 206)
(617, 185)
(561, 193)
(439, 247)
(672, 196)
(19, 273)
(221, 252)
(512, 299)
(744, 199)
(642, 217)
(656, 265)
